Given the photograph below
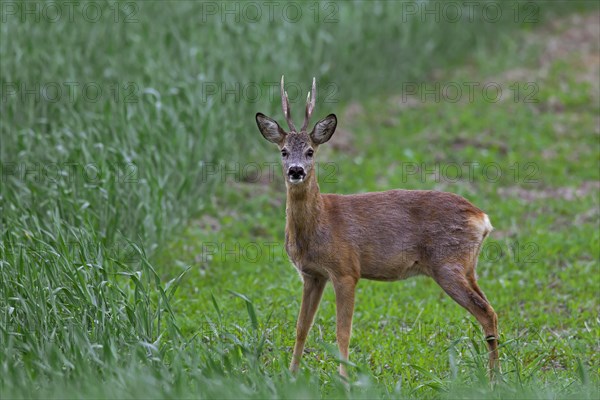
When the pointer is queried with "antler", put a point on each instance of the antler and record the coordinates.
(285, 103)
(311, 99)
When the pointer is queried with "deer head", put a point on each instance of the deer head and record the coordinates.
(297, 147)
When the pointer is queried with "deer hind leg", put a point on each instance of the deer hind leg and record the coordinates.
(311, 297)
(491, 336)
(463, 288)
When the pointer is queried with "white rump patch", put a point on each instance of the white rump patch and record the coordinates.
(487, 224)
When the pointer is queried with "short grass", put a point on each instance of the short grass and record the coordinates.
(140, 257)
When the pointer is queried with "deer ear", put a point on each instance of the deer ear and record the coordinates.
(270, 129)
(324, 129)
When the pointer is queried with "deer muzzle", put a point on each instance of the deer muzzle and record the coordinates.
(296, 174)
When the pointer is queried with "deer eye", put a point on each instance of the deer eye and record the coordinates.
(310, 153)
(284, 153)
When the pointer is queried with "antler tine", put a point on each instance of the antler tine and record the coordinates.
(311, 99)
(285, 103)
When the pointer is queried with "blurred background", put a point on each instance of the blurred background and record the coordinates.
(142, 212)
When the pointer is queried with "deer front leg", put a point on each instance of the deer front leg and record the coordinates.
(311, 297)
(344, 301)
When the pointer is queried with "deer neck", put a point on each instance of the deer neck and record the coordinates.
(304, 205)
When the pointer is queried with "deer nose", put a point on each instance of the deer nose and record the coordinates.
(296, 172)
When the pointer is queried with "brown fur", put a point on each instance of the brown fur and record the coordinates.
(394, 234)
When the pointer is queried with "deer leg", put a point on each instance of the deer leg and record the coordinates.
(311, 297)
(467, 293)
(344, 302)
(473, 282)
(492, 337)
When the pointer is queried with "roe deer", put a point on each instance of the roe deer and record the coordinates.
(382, 236)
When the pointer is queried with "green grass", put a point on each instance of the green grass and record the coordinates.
(129, 269)
(539, 268)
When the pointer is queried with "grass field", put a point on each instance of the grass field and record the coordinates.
(142, 232)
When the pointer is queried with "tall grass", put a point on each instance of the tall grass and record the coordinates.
(92, 186)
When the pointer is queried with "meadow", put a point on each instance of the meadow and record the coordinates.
(141, 249)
